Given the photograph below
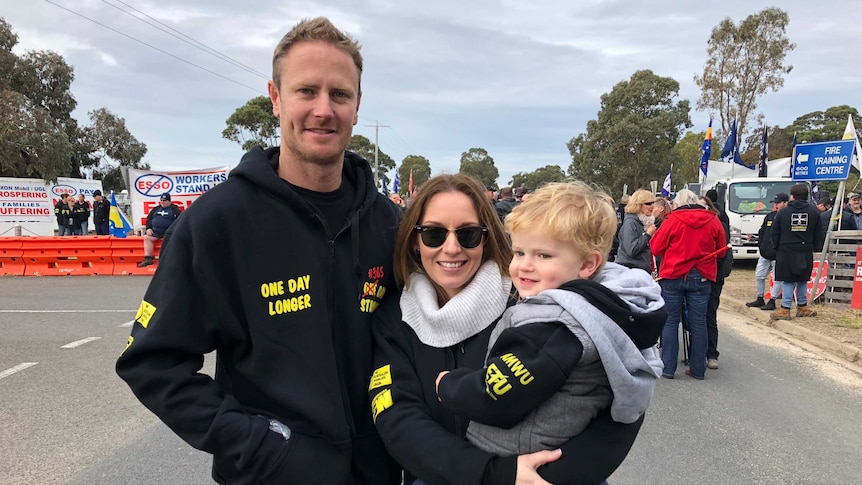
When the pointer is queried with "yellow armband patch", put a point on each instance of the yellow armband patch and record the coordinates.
(145, 313)
(381, 377)
(381, 402)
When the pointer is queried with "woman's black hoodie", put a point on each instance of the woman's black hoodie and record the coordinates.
(249, 271)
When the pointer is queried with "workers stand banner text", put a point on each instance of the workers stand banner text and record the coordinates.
(184, 187)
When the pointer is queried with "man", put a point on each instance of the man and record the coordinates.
(824, 205)
(278, 269)
(795, 236)
(506, 203)
(621, 214)
(519, 194)
(160, 218)
(491, 193)
(725, 265)
(64, 216)
(101, 211)
(851, 218)
(766, 261)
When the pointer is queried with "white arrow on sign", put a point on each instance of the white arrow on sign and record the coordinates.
(802, 157)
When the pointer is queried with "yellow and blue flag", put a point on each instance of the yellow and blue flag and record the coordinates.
(706, 149)
(118, 222)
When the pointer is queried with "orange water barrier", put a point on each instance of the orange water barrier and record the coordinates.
(76, 256)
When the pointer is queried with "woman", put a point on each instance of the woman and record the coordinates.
(690, 239)
(452, 255)
(635, 233)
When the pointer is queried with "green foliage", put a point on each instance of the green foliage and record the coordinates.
(744, 62)
(38, 136)
(32, 144)
(421, 172)
(114, 146)
(823, 125)
(639, 123)
(46, 79)
(685, 156)
(478, 164)
(253, 124)
(363, 147)
(537, 178)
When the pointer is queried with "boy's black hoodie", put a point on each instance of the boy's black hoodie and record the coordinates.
(250, 272)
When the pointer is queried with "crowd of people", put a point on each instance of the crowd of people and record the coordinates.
(73, 215)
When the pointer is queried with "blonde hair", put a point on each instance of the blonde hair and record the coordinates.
(311, 30)
(637, 200)
(569, 212)
(685, 197)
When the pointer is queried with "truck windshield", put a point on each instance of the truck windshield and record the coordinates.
(755, 197)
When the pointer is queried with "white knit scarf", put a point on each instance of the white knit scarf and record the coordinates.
(466, 314)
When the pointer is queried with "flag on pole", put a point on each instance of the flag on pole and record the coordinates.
(764, 154)
(665, 187)
(117, 221)
(850, 134)
(792, 154)
(730, 152)
(706, 149)
(395, 183)
(410, 183)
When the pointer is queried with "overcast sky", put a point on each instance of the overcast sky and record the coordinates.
(519, 79)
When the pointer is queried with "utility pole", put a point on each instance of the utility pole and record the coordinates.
(376, 127)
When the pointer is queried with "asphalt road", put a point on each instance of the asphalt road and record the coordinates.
(774, 413)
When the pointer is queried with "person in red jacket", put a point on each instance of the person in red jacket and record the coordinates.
(689, 240)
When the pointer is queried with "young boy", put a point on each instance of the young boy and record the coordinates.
(582, 339)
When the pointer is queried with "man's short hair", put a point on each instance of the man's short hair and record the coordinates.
(311, 30)
(799, 191)
(506, 193)
(570, 212)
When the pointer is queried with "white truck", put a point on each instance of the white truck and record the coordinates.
(746, 199)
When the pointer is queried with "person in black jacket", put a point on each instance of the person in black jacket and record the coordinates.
(65, 216)
(82, 216)
(159, 220)
(279, 270)
(795, 236)
(453, 255)
(725, 265)
(766, 261)
(101, 212)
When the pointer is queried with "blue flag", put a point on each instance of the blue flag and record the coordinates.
(118, 222)
(730, 152)
(706, 149)
(395, 183)
(665, 188)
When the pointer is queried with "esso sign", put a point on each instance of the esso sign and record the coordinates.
(64, 189)
(153, 184)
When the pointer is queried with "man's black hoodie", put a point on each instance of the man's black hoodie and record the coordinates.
(249, 271)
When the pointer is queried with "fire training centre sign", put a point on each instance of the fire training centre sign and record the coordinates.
(829, 160)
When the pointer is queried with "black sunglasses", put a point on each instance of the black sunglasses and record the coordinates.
(649, 203)
(435, 236)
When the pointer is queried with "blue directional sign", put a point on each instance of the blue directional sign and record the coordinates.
(828, 160)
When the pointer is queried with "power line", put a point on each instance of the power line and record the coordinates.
(194, 42)
(257, 90)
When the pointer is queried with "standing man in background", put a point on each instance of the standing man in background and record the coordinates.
(795, 236)
(278, 270)
(101, 212)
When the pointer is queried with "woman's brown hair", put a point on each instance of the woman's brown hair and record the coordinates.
(496, 245)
